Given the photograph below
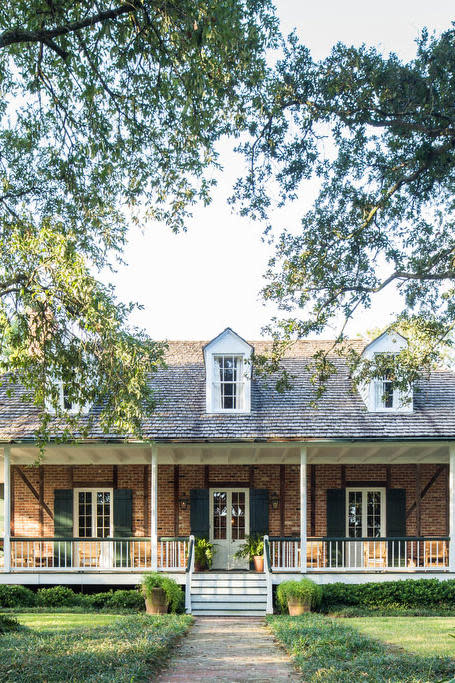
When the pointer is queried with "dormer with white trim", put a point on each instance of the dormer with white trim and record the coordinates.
(228, 373)
(379, 395)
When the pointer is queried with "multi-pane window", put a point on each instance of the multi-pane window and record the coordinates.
(228, 384)
(384, 393)
(365, 513)
(238, 515)
(220, 515)
(85, 514)
(93, 514)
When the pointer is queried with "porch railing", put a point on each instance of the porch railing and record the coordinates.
(361, 554)
(111, 554)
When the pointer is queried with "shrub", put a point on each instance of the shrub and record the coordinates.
(126, 599)
(16, 596)
(304, 590)
(204, 551)
(174, 594)
(253, 547)
(8, 624)
(408, 593)
(58, 596)
(98, 600)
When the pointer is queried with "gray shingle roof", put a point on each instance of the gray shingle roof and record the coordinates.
(340, 413)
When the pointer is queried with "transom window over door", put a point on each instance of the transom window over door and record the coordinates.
(365, 514)
(228, 384)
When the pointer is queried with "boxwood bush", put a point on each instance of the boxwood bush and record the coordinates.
(408, 593)
(8, 624)
(16, 596)
(62, 596)
(304, 590)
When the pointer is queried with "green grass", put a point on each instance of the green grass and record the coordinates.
(335, 651)
(62, 621)
(101, 648)
(423, 636)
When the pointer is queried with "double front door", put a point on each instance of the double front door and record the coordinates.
(229, 525)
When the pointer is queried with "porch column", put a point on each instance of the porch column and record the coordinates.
(7, 510)
(452, 508)
(303, 485)
(154, 507)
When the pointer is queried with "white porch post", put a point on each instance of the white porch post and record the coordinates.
(452, 508)
(154, 507)
(303, 487)
(7, 510)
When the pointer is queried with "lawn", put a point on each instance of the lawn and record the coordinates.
(341, 651)
(90, 647)
(423, 636)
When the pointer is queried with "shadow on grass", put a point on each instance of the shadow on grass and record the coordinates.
(324, 649)
(132, 649)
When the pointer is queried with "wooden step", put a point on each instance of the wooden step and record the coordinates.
(233, 599)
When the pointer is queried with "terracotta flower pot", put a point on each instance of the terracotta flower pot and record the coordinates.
(155, 601)
(258, 563)
(297, 607)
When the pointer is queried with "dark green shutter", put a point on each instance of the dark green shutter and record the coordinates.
(123, 525)
(259, 512)
(199, 512)
(396, 525)
(336, 523)
(63, 526)
(336, 513)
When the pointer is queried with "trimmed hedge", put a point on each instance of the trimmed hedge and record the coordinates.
(62, 596)
(412, 593)
(16, 596)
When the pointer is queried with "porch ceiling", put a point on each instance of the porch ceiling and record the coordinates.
(235, 453)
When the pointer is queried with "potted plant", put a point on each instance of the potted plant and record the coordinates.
(298, 597)
(161, 593)
(253, 548)
(204, 551)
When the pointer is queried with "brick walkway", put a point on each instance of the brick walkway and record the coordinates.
(229, 649)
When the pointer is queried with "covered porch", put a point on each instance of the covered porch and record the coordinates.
(104, 513)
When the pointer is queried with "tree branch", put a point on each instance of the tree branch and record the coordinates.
(13, 36)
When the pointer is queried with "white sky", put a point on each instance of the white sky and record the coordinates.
(194, 285)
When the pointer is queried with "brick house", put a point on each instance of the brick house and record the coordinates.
(359, 488)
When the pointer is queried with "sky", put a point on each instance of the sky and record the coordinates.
(193, 285)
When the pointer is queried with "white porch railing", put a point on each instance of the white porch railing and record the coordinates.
(110, 554)
(361, 554)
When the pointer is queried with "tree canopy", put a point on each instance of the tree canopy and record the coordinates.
(110, 112)
(377, 135)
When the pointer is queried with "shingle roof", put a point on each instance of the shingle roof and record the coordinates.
(340, 413)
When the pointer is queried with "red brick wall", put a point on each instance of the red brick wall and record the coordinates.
(137, 477)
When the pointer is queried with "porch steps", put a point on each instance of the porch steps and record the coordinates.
(240, 594)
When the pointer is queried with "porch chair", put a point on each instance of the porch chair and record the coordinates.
(375, 554)
(314, 554)
(436, 554)
(88, 554)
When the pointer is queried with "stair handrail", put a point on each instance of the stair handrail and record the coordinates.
(189, 574)
(268, 575)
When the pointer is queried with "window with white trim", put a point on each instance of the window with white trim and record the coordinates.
(228, 384)
(384, 394)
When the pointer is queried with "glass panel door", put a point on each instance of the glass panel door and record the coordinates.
(365, 518)
(229, 525)
(93, 519)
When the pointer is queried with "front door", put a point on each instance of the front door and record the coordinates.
(365, 518)
(229, 525)
(93, 518)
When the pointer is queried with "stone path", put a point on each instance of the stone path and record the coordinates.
(231, 650)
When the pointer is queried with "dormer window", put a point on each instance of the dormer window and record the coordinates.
(65, 404)
(379, 394)
(228, 384)
(383, 393)
(228, 373)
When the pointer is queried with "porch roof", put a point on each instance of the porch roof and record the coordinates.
(339, 414)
